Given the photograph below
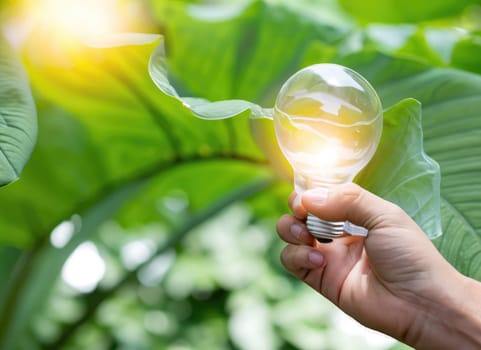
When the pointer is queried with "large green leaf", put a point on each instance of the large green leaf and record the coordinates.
(220, 53)
(119, 134)
(236, 72)
(123, 129)
(18, 119)
(413, 182)
(60, 81)
(442, 91)
(451, 101)
(401, 172)
(405, 11)
(120, 131)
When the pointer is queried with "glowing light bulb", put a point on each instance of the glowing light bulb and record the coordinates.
(328, 122)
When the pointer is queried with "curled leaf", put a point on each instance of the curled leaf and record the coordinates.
(201, 108)
(18, 118)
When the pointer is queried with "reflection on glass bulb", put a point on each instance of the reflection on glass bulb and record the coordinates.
(328, 122)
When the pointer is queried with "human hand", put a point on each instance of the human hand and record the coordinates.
(394, 280)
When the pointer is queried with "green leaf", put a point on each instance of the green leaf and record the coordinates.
(175, 195)
(451, 105)
(415, 177)
(394, 78)
(432, 45)
(63, 168)
(111, 127)
(460, 242)
(253, 28)
(418, 47)
(199, 107)
(389, 11)
(9, 257)
(119, 132)
(119, 128)
(401, 172)
(244, 56)
(466, 54)
(18, 120)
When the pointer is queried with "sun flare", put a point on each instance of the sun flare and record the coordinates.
(81, 19)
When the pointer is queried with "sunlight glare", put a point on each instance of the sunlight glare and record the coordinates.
(84, 19)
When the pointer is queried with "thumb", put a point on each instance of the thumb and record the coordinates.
(350, 202)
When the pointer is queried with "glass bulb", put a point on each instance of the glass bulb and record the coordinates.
(328, 122)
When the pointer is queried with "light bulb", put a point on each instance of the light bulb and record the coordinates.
(328, 122)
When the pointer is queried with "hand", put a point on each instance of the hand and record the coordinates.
(394, 280)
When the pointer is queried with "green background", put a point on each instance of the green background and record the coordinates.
(124, 167)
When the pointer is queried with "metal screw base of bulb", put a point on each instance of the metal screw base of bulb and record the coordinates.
(326, 231)
(323, 230)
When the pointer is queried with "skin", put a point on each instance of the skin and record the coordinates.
(394, 281)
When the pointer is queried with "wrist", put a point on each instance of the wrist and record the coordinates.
(467, 316)
(452, 318)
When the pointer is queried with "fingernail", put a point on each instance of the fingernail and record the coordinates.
(296, 230)
(317, 196)
(297, 201)
(316, 258)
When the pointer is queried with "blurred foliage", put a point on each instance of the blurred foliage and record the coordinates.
(182, 211)
(18, 125)
(391, 11)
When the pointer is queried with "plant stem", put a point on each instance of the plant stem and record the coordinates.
(24, 266)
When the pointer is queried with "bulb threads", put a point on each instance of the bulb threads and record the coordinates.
(325, 231)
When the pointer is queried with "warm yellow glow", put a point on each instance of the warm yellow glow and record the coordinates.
(80, 19)
(326, 155)
(324, 139)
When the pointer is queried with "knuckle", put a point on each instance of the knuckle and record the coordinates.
(352, 197)
(351, 192)
(293, 258)
(394, 213)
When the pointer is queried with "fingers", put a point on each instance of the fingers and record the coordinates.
(352, 203)
(324, 268)
(294, 231)
(298, 259)
(305, 263)
(296, 206)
